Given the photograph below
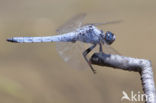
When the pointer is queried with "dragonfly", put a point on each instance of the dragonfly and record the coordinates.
(72, 32)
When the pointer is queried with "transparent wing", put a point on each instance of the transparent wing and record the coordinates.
(105, 23)
(72, 24)
(109, 50)
(72, 52)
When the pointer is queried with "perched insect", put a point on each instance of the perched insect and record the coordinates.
(70, 34)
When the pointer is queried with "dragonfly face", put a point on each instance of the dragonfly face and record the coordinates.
(108, 37)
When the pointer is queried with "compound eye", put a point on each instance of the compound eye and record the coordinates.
(110, 37)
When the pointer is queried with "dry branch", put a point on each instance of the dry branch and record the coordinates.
(142, 66)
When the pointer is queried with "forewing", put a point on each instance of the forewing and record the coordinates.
(105, 23)
(72, 24)
(72, 52)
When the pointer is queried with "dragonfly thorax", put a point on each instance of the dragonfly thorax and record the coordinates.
(89, 34)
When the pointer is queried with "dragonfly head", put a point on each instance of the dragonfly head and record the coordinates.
(108, 37)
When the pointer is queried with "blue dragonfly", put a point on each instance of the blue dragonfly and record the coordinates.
(73, 35)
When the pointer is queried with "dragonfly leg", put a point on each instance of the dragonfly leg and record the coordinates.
(100, 48)
(85, 56)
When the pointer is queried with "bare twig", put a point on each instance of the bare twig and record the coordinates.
(142, 66)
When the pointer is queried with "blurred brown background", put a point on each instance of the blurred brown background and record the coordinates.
(34, 73)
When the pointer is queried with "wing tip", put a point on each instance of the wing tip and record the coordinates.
(11, 40)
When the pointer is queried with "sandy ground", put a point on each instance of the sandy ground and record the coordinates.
(35, 73)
